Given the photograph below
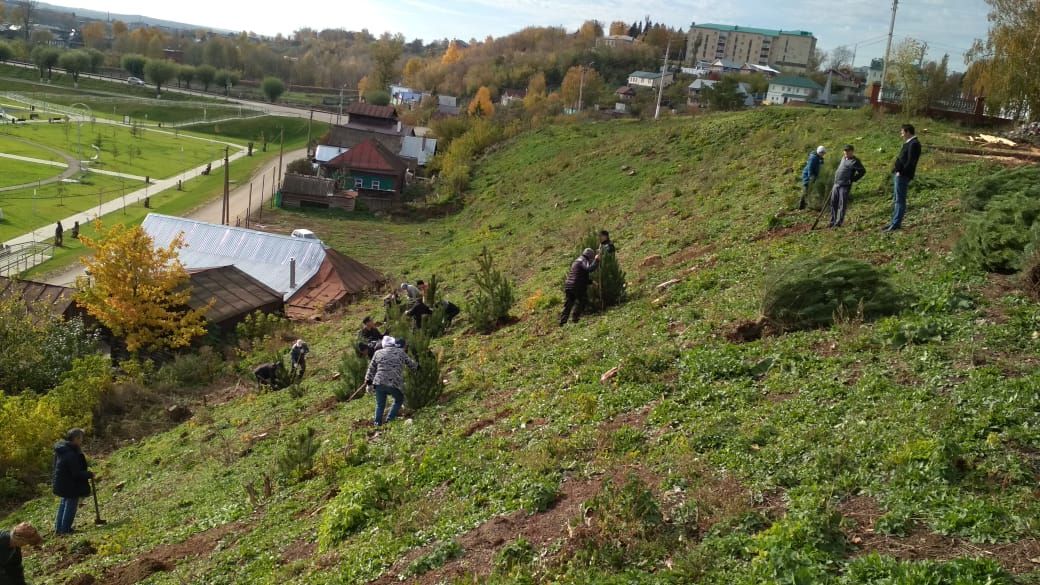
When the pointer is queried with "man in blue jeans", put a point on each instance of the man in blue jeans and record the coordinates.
(903, 172)
(71, 479)
(386, 374)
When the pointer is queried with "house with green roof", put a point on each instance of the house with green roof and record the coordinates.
(780, 49)
(792, 88)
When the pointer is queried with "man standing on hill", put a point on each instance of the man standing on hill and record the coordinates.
(71, 478)
(903, 172)
(11, 543)
(576, 287)
(369, 338)
(811, 172)
(850, 170)
(605, 245)
(58, 233)
(386, 375)
(298, 358)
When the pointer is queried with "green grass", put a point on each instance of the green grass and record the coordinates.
(20, 79)
(702, 461)
(9, 145)
(196, 193)
(266, 127)
(19, 172)
(28, 209)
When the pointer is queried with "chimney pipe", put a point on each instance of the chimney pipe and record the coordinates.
(292, 273)
(398, 125)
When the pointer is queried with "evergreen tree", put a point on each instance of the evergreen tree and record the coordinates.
(495, 296)
(607, 286)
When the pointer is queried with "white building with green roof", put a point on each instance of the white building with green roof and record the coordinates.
(780, 49)
(791, 88)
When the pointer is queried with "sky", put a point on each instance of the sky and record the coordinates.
(947, 25)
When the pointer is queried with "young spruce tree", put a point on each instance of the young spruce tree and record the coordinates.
(495, 296)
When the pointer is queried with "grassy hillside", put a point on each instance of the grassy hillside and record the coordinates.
(842, 455)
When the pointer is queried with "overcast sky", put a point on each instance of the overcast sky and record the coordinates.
(947, 25)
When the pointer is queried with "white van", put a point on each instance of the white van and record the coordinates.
(304, 234)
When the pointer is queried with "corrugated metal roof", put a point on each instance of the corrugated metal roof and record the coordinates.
(261, 255)
(325, 153)
(372, 111)
(340, 279)
(36, 295)
(421, 149)
(234, 293)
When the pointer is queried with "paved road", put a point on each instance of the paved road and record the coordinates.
(240, 198)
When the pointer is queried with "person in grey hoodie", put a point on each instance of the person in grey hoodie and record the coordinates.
(576, 286)
(386, 375)
(850, 170)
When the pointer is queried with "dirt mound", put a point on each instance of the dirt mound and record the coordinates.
(747, 331)
(921, 543)
(82, 579)
(165, 557)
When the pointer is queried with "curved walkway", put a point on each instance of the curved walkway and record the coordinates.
(71, 162)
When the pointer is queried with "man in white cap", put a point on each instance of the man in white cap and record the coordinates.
(386, 375)
(298, 359)
(811, 172)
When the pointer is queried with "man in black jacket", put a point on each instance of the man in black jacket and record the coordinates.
(369, 338)
(71, 479)
(11, 543)
(576, 287)
(903, 172)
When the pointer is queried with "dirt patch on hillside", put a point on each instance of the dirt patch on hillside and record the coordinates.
(748, 331)
(921, 543)
(777, 233)
(481, 543)
(486, 422)
(298, 551)
(690, 253)
(165, 557)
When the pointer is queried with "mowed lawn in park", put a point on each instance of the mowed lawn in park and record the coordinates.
(146, 110)
(10, 144)
(196, 193)
(28, 209)
(141, 152)
(16, 172)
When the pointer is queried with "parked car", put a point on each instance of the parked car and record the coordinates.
(134, 80)
(307, 235)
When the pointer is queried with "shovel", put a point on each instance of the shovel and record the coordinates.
(97, 509)
(824, 208)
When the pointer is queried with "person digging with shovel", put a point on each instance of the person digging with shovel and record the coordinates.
(71, 479)
(11, 544)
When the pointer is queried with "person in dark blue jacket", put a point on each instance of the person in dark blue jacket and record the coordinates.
(71, 478)
(811, 172)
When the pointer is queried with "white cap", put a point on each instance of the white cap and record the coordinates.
(820, 149)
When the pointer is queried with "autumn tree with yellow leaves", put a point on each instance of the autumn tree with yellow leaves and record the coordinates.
(138, 291)
(452, 55)
(481, 106)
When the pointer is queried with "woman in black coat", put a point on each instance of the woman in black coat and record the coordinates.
(71, 479)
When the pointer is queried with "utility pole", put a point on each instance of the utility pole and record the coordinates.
(281, 152)
(249, 204)
(260, 208)
(581, 87)
(340, 114)
(888, 51)
(660, 90)
(309, 132)
(226, 218)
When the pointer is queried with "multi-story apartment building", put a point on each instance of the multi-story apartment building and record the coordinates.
(781, 49)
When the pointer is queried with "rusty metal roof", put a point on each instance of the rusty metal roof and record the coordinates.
(372, 111)
(340, 278)
(56, 299)
(234, 293)
(370, 155)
